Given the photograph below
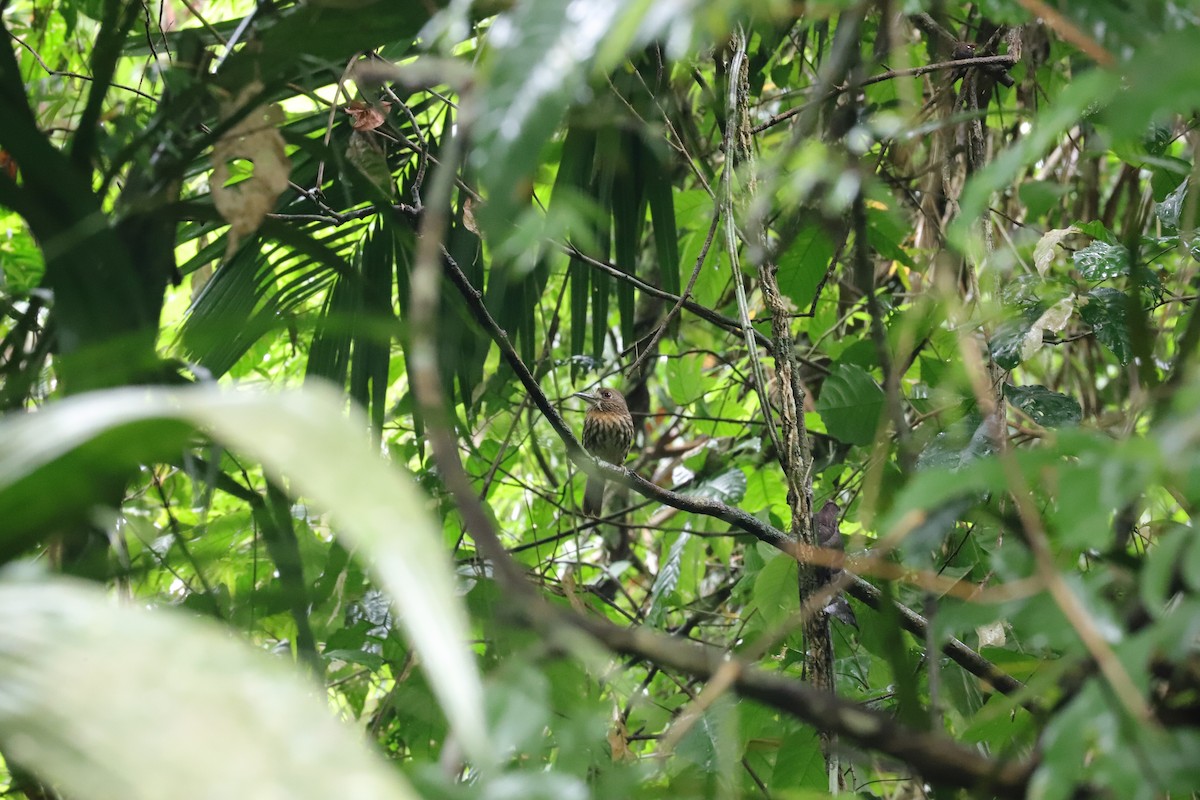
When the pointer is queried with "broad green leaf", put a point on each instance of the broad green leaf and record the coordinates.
(666, 580)
(685, 378)
(776, 592)
(1096, 229)
(1156, 82)
(1104, 310)
(850, 404)
(1101, 261)
(323, 35)
(803, 266)
(540, 55)
(727, 487)
(662, 219)
(1171, 207)
(371, 504)
(1046, 408)
(108, 699)
(1009, 341)
(1038, 197)
(799, 764)
(968, 440)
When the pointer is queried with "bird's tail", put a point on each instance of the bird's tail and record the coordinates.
(593, 497)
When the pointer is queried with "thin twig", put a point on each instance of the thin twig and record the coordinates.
(859, 588)
(959, 63)
(1066, 600)
(687, 292)
(732, 122)
(58, 73)
(1069, 31)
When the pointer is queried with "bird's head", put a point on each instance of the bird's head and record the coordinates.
(604, 399)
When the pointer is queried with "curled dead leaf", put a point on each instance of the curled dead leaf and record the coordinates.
(254, 138)
(366, 117)
(8, 165)
(618, 741)
(469, 216)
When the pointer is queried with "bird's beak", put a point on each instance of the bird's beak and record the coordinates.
(591, 398)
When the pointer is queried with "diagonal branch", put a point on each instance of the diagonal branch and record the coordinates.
(913, 622)
(938, 758)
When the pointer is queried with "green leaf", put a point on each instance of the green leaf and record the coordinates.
(685, 378)
(1046, 408)
(1100, 261)
(728, 487)
(1104, 310)
(799, 764)
(850, 404)
(1169, 210)
(1095, 229)
(371, 504)
(803, 265)
(1007, 342)
(323, 35)
(110, 700)
(660, 197)
(1155, 82)
(666, 580)
(776, 592)
(540, 57)
(1038, 197)
(969, 439)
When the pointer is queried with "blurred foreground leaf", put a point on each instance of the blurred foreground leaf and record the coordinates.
(371, 504)
(106, 700)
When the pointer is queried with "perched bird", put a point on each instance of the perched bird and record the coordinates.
(829, 536)
(607, 434)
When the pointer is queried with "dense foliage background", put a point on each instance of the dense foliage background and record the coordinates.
(933, 262)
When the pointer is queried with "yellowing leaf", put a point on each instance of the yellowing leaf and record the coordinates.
(254, 138)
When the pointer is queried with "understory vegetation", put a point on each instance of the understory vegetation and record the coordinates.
(296, 297)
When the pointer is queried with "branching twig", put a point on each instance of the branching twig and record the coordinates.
(1069, 31)
(687, 292)
(959, 63)
(938, 759)
(859, 588)
(865, 273)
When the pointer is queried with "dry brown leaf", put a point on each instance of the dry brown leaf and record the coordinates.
(8, 166)
(618, 741)
(366, 117)
(469, 216)
(254, 138)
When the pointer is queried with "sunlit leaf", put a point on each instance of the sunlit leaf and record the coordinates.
(373, 505)
(802, 267)
(666, 580)
(1100, 261)
(112, 700)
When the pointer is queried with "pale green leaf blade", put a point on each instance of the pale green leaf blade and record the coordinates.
(373, 506)
(109, 700)
(376, 508)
